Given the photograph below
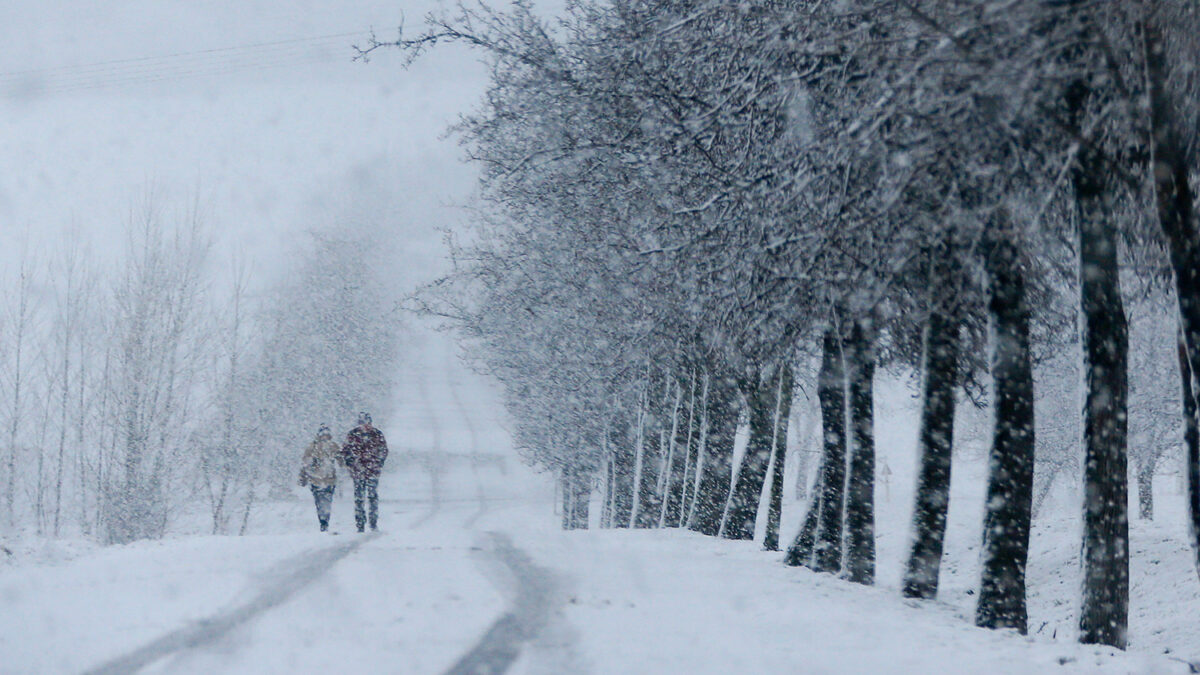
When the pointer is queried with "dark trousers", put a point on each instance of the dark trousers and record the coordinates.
(368, 488)
(323, 496)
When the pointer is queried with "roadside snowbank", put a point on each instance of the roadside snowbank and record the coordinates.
(653, 602)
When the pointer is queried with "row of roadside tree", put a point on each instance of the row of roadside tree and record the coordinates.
(684, 202)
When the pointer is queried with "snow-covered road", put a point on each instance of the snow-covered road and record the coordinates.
(536, 595)
(461, 585)
(415, 598)
(288, 578)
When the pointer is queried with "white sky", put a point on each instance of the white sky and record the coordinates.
(271, 139)
(244, 106)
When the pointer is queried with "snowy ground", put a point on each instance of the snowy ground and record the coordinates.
(1163, 579)
(682, 603)
(480, 574)
(420, 596)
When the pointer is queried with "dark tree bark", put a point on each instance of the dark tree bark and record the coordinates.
(935, 439)
(742, 513)
(831, 391)
(576, 483)
(581, 500)
(1191, 442)
(1007, 515)
(1177, 219)
(783, 409)
(721, 421)
(609, 491)
(860, 481)
(620, 445)
(1105, 610)
(648, 498)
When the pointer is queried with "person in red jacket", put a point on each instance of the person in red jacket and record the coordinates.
(364, 453)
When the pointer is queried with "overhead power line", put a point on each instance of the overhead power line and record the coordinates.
(176, 55)
(181, 65)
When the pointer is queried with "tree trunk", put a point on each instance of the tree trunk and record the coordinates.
(39, 510)
(576, 494)
(935, 439)
(639, 456)
(1177, 219)
(250, 496)
(609, 479)
(583, 498)
(1145, 483)
(1104, 614)
(18, 342)
(860, 481)
(747, 492)
(1104, 610)
(567, 493)
(777, 467)
(672, 472)
(218, 509)
(831, 390)
(686, 497)
(62, 437)
(1007, 514)
(720, 420)
(648, 495)
(619, 443)
(701, 452)
(653, 450)
(1191, 442)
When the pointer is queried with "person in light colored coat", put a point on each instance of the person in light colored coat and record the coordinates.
(318, 470)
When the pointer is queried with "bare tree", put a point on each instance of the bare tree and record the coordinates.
(21, 317)
(73, 297)
(157, 334)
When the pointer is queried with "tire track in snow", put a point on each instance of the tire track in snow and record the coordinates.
(527, 618)
(435, 496)
(474, 441)
(293, 574)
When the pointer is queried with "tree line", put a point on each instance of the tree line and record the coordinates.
(170, 385)
(683, 202)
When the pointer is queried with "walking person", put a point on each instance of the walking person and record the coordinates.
(364, 453)
(318, 470)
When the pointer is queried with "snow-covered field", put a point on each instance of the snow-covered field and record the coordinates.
(421, 595)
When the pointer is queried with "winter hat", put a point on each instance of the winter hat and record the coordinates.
(324, 430)
(364, 418)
